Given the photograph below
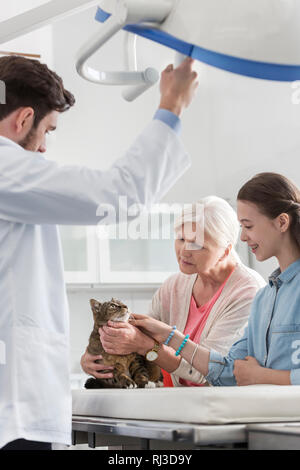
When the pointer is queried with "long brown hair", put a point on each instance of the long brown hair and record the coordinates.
(31, 83)
(274, 194)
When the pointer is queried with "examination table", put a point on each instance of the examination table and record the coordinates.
(253, 417)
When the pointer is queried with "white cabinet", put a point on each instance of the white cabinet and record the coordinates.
(141, 252)
(80, 253)
(136, 261)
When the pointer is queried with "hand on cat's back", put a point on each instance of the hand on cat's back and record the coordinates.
(91, 367)
(121, 338)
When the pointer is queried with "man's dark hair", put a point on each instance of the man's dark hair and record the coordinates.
(30, 83)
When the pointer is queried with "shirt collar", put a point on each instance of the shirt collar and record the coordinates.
(277, 277)
(5, 140)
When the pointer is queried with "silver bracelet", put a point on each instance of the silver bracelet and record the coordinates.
(191, 369)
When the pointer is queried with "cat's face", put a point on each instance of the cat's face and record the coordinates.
(113, 310)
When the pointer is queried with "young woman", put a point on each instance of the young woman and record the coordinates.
(269, 352)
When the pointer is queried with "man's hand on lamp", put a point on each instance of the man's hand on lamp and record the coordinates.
(178, 86)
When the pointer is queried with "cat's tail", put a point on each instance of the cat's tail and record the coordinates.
(99, 383)
(90, 383)
(94, 383)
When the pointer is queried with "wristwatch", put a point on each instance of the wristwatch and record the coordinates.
(152, 355)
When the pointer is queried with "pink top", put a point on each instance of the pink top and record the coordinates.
(195, 323)
(226, 321)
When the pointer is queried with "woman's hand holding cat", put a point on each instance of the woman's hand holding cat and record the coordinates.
(90, 367)
(158, 330)
(122, 338)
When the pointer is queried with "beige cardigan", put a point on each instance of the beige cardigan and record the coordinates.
(226, 321)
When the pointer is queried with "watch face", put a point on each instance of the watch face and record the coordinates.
(151, 355)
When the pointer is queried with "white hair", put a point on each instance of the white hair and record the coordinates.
(219, 218)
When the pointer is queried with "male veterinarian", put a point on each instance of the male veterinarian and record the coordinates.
(35, 195)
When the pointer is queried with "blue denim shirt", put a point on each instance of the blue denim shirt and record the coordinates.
(273, 332)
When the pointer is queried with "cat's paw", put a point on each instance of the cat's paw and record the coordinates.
(159, 384)
(132, 386)
(141, 381)
(150, 385)
(126, 382)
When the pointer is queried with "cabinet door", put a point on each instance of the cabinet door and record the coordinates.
(140, 252)
(80, 254)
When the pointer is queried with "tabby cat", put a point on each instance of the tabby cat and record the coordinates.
(130, 371)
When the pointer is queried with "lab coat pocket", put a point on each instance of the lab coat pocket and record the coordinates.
(284, 350)
(43, 395)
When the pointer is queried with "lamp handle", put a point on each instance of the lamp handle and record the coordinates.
(124, 12)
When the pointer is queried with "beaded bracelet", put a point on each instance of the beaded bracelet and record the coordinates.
(182, 345)
(170, 335)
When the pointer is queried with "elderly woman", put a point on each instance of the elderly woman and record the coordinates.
(209, 299)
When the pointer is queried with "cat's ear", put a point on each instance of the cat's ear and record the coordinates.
(96, 306)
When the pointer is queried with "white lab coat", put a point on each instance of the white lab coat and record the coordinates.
(35, 195)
